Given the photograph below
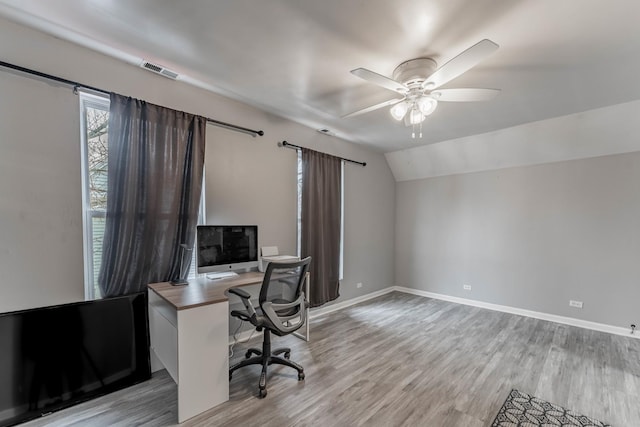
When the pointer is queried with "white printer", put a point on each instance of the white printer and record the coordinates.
(270, 254)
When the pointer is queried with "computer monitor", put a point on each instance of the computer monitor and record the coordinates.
(227, 248)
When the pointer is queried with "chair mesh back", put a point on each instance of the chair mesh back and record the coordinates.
(282, 297)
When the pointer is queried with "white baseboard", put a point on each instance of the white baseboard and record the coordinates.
(245, 335)
(156, 364)
(616, 330)
(320, 311)
(313, 313)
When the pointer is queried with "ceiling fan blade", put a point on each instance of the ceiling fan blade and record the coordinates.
(380, 80)
(461, 63)
(465, 94)
(374, 107)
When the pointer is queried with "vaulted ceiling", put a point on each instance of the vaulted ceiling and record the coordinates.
(293, 57)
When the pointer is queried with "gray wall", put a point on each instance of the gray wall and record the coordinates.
(254, 182)
(40, 195)
(248, 179)
(530, 237)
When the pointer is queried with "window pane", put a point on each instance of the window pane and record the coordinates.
(97, 228)
(299, 213)
(193, 267)
(94, 119)
(97, 124)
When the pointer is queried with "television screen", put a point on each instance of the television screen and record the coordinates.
(227, 247)
(55, 357)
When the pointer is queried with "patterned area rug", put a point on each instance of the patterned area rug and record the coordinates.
(522, 410)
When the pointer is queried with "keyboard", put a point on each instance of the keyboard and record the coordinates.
(222, 275)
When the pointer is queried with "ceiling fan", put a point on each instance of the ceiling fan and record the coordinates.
(418, 80)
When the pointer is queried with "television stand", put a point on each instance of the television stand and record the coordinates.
(221, 275)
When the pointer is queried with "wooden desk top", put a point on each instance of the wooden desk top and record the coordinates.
(203, 291)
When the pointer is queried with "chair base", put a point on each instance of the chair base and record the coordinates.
(266, 357)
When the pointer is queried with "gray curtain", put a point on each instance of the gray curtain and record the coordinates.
(155, 166)
(321, 221)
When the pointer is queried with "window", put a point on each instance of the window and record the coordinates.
(299, 213)
(193, 268)
(94, 120)
(341, 221)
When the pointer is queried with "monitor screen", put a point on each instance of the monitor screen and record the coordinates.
(227, 247)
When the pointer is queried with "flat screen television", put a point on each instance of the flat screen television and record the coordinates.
(223, 248)
(55, 357)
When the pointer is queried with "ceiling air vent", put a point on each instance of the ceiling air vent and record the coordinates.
(159, 69)
(326, 131)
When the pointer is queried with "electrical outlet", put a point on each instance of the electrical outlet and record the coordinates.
(359, 285)
(576, 304)
(466, 287)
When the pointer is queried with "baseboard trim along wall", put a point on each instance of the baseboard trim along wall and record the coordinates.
(246, 335)
(250, 332)
(321, 311)
(601, 327)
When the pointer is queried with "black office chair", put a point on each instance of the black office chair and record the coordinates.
(283, 310)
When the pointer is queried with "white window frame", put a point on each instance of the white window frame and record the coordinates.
(341, 268)
(202, 215)
(88, 100)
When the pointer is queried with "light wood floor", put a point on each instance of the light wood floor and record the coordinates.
(403, 360)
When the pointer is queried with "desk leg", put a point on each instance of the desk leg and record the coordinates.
(203, 359)
(305, 337)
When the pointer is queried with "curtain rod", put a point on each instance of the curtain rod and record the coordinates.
(297, 147)
(77, 85)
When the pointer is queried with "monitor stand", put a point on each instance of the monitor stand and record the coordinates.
(221, 275)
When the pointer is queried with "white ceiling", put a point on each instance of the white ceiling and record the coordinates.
(293, 57)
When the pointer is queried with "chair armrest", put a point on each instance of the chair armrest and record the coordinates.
(241, 315)
(240, 292)
(246, 300)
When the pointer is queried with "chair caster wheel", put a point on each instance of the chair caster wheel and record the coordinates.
(247, 355)
(300, 376)
(287, 355)
(263, 393)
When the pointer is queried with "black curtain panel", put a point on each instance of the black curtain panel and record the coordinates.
(321, 223)
(155, 167)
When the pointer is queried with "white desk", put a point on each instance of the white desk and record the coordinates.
(189, 329)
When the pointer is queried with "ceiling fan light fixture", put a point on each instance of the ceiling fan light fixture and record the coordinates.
(399, 110)
(417, 81)
(416, 116)
(427, 105)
